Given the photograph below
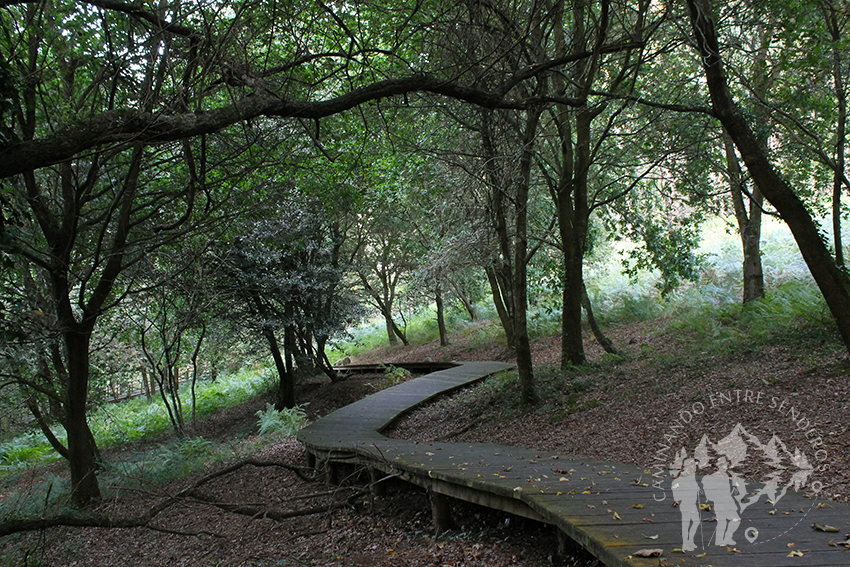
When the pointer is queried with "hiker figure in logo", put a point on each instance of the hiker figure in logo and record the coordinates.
(721, 492)
(686, 492)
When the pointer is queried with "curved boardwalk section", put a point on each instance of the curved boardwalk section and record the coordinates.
(609, 509)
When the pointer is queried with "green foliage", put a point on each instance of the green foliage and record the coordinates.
(793, 312)
(23, 449)
(281, 423)
(132, 420)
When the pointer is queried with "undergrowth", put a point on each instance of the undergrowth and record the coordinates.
(281, 423)
(136, 419)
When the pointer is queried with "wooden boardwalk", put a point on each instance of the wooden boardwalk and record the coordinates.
(609, 509)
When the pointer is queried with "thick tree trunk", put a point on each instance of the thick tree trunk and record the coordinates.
(572, 345)
(833, 282)
(82, 450)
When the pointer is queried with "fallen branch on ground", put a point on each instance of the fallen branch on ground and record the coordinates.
(81, 519)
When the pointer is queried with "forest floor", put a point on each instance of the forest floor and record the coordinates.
(617, 409)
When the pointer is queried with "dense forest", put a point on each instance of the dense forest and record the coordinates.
(182, 183)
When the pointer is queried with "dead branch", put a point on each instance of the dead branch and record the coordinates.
(83, 520)
(247, 509)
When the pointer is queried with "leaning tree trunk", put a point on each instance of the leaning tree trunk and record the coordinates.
(606, 343)
(833, 282)
(323, 362)
(394, 330)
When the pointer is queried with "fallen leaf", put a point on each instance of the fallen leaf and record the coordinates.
(829, 529)
(795, 554)
(650, 536)
(638, 506)
(617, 516)
(706, 507)
(733, 550)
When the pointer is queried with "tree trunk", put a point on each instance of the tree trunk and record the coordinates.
(388, 319)
(146, 384)
(500, 275)
(520, 295)
(749, 225)
(32, 404)
(603, 341)
(504, 317)
(398, 332)
(322, 360)
(834, 27)
(286, 394)
(441, 319)
(833, 282)
(280, 366)
(465, 301)
(82, 450)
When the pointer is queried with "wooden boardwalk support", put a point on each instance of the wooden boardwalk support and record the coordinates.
(609, 509)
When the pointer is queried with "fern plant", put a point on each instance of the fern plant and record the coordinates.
(282, 423)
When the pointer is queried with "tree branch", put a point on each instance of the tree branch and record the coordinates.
(83, 520)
